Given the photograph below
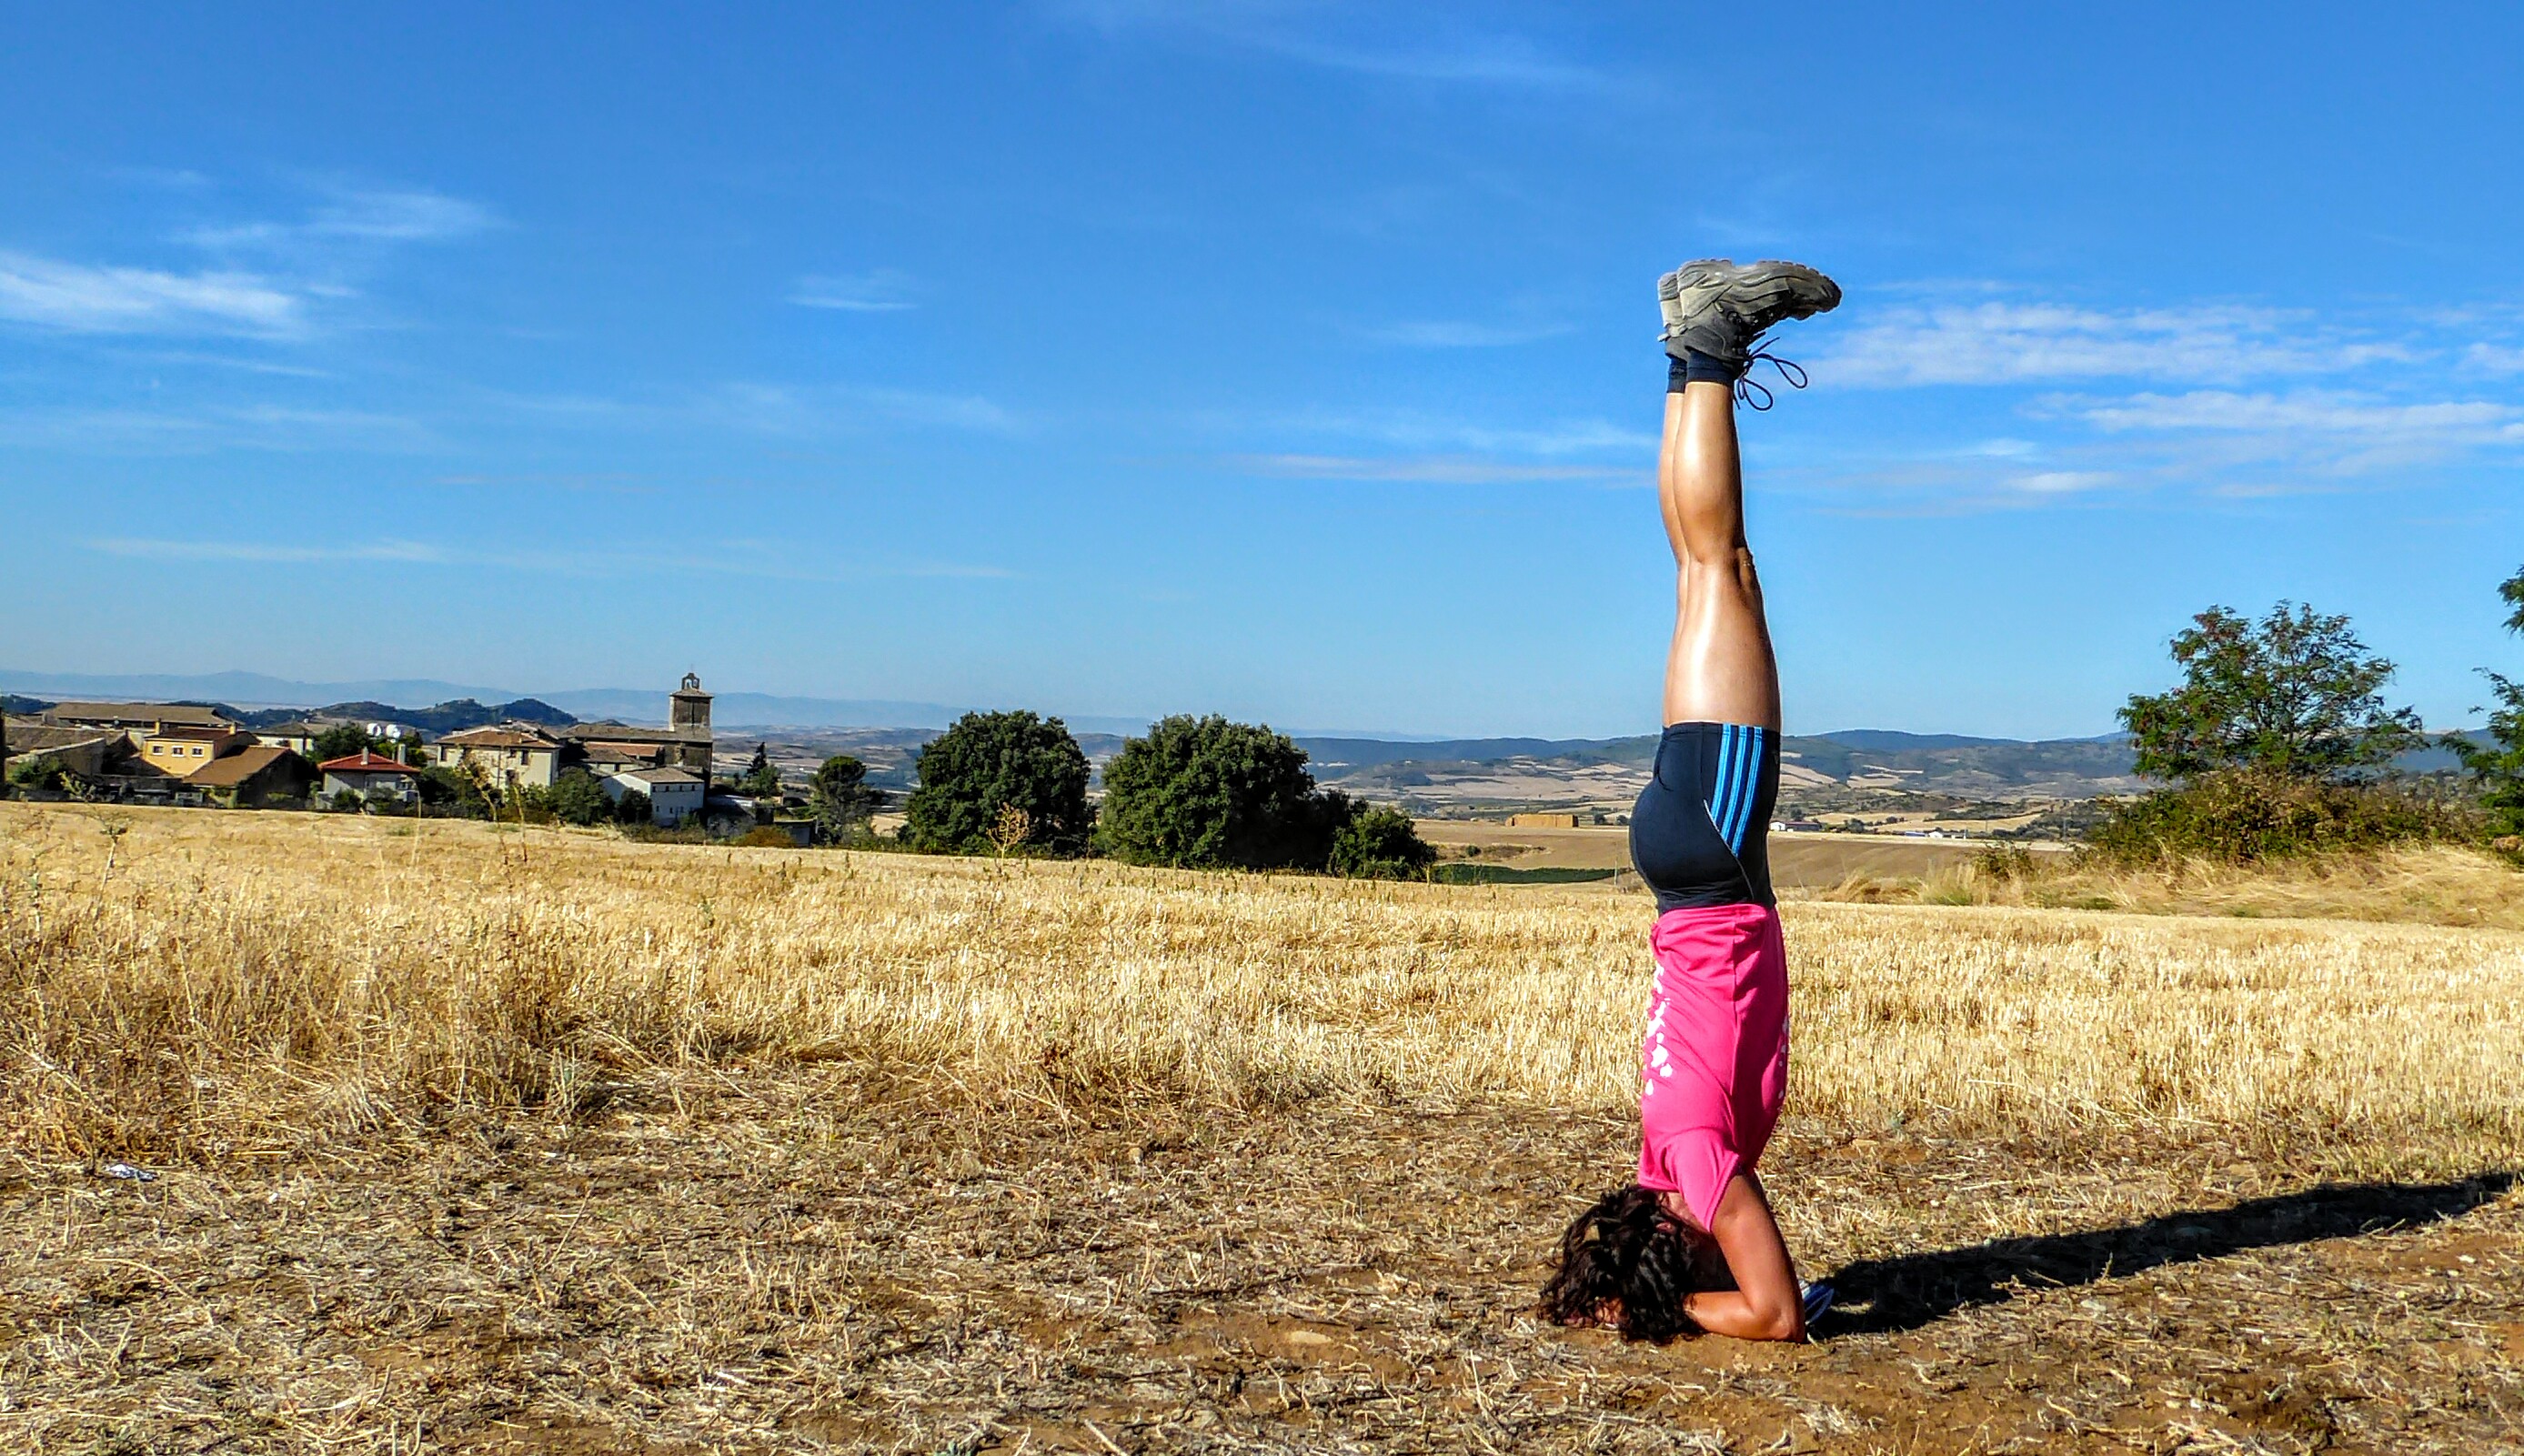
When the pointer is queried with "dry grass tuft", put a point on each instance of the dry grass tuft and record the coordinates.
(236, 983)
(2424, 885)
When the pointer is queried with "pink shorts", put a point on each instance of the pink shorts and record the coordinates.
(1716, 1056)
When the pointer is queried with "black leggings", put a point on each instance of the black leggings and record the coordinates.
(1700, 834)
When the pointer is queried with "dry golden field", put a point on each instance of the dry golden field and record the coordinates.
(478, 1140)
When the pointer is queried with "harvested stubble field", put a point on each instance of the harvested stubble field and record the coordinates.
(548, 1143)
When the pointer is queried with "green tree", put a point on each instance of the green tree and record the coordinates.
(342, 741)
(2498, 767)
(444, 789)
(761, 780)
(578, 798)
(2296, 695)
(634, 808)
(1208, 793)
(839, 798)
(988, 762)
(38, 771)
(1381, 843)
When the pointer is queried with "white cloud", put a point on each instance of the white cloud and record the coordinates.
(2318, 412)
(2494, 359)
(1427, 469)
(78, 298)
(814, 410)
(1413, 432)
(359, 215)
(263, 426)
(264, 550)
(877, 291)
(769, 561)
(1429, 49)
(1445, 334)
(2010, 343)
(2060, 482)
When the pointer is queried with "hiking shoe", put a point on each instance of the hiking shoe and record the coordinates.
(1721, 307)
(1818, 1298)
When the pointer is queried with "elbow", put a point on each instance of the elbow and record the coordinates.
(1781, 1323)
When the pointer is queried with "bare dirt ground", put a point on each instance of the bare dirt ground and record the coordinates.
(819, 1258)
(1798, 861)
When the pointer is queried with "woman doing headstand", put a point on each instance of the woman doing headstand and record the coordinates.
(1691, 1244)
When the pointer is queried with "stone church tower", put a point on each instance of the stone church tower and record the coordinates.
(689, 717)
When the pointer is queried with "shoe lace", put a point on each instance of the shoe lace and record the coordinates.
(1791, 373)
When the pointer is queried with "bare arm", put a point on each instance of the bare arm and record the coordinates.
(1765, 1303)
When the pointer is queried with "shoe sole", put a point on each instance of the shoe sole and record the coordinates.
(1687, 294)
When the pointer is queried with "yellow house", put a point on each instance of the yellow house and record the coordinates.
(180, 751)
(509, 756)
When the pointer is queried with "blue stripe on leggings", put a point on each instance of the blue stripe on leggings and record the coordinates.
(1747, 791)
(1720, 808)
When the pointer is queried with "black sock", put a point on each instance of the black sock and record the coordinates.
(1698, 365)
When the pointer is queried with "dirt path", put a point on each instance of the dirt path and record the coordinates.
(788, 1265)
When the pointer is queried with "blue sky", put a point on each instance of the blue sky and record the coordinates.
(1296, 362)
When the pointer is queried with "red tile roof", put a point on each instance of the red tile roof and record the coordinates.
(364, 761)
(499, 738)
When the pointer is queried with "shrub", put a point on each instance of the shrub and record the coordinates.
(577, 798)
(39, 771)
(1207, 793)
(634, 807)
(2250, 814)
(990, 762)
(840, 801)
(760, 780)
(1381, 844)
(345, 741)
(347, 801)
(764, 837)
(455, 794)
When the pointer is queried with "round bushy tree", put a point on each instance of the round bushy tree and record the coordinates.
(578, 798)
(1208, 793)
(1381, 843)
(990, 763)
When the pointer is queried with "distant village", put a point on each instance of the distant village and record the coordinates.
(188, 755)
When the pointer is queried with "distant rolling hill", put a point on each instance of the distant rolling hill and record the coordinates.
(1508, 770)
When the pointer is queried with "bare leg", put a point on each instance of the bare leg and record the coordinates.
(1719, 668)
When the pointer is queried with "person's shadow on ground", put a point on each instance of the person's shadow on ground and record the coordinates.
(1914, 1289)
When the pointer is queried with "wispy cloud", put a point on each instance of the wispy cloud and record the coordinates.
(770, 561)
(816, 409)
(1426, 470)
(79, 298)
(1422, 433)
(148, 549)
(358, 215)
(2058, 482)
(877, 291)
(1452, 334)
(190, 358)
(261, 426)
(1424, 47)
(1999, 341)
(2319, 412)
(2494, 359)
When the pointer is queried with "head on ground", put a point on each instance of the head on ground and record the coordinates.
(1628, 1263)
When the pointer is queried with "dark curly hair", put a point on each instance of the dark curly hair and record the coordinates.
(1628, 1263)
